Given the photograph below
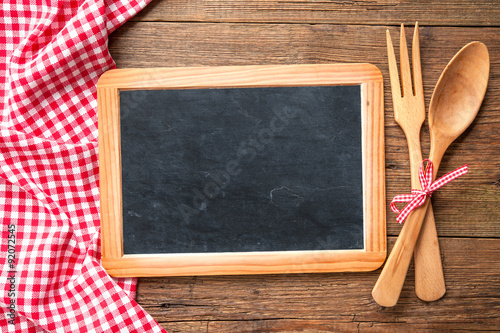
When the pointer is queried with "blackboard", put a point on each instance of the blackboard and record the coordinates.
(253, 170)
(242, 169)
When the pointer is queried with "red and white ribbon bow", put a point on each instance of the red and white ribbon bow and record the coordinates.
(418, 197)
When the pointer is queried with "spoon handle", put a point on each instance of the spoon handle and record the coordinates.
(390, 282)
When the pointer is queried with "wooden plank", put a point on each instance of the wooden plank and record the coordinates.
(156, 44)
(187, 326)
(427, 12)
(322, 302)
(281, 325)
(328, 326)
(465, 207)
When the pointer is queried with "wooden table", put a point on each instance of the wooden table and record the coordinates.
(467, 211)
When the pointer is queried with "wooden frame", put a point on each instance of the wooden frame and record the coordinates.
(369, 258)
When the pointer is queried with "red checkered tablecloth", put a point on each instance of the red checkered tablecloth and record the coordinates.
(51, 55)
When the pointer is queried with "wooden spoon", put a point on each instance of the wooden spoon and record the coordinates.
(444, 118)
(454, 105)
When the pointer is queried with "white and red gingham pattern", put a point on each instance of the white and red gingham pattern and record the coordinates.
(418, 197)
(51, 54)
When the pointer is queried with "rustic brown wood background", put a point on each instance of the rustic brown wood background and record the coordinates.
(244, 32)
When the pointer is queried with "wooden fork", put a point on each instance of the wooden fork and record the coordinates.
(409, 113)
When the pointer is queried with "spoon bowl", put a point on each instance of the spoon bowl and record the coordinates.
(458, 96)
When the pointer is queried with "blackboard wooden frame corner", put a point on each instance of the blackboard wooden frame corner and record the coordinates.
(137, 265)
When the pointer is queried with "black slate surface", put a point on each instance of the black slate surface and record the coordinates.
(236, 170)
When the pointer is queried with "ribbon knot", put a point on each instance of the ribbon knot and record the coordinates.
(418, 197)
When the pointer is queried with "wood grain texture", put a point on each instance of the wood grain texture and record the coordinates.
(258, 33)
(331, 302)
(382, 12)
(120, 265)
